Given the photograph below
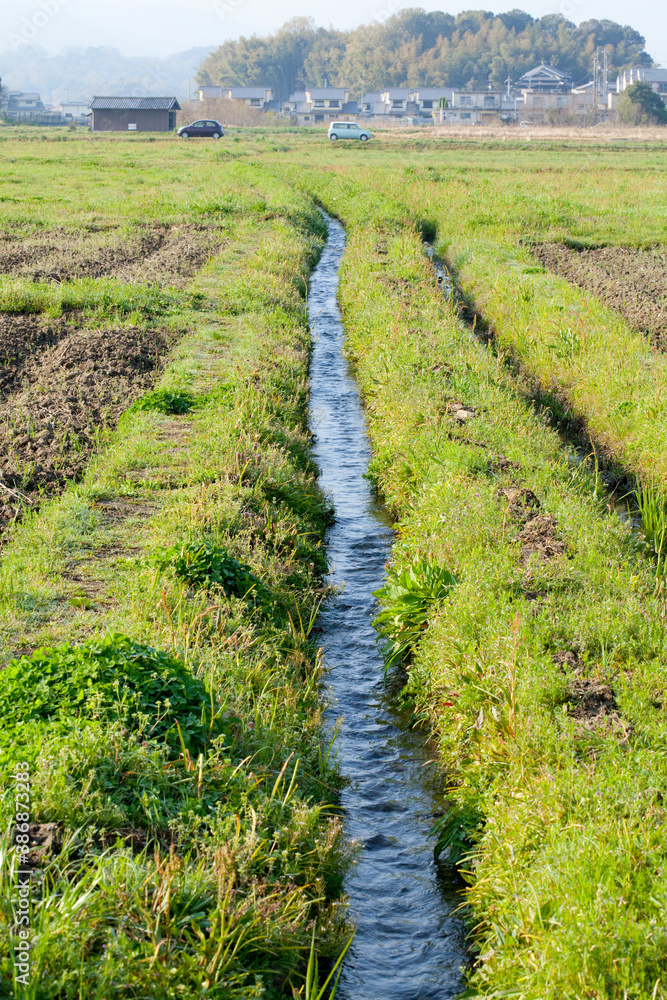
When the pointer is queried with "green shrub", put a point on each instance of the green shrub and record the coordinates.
(407, 598)
(205, 564)
(167, 401)
(114, 678)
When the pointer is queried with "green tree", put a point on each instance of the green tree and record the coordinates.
(475, 49)
(639, 105)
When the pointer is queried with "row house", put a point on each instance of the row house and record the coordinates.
(479, 108)
(320, 105)
(401, 102)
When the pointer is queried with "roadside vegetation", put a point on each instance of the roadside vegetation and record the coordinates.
(159, 675)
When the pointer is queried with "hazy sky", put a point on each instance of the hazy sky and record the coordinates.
(145, 27)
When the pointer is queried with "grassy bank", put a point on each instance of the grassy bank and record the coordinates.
(160, 680)
(540, 670)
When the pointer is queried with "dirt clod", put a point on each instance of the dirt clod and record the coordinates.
(45, 838)
(460, 411)
(538, 534)
(538, 537)
(521, 502)
(567, 661)
(594, 707)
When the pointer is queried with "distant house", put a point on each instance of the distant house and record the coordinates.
(209, 93)
(253, 97)
(372, 104)
(327, 102)
(75, 109)
(545, 80)
(656, 78)
(426, 100)
(133, 114)
(297, 107)
(24, 106)
(397, 100)
(319, 105)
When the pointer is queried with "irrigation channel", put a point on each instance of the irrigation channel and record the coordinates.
(409, 945)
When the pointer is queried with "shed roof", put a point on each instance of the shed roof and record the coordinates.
(373, 98)
(398, 94)
(134, 104)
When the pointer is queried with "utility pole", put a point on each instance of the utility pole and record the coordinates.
(509, 84)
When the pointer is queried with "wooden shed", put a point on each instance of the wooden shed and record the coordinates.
(133, 114)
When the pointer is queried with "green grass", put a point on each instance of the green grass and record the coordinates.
(555, 816)
(173, 726)
(554, 821)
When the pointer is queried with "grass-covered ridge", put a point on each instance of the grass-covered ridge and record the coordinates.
(183, 797)
(540, 666)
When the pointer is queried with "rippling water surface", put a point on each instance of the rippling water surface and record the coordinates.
(408, 945)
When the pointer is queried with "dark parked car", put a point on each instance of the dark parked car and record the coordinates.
(204, 129)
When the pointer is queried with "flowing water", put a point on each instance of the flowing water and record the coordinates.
(408, 945)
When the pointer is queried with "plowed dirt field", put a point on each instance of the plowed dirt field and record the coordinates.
(61, 385)
(153, 253)
(632, 281)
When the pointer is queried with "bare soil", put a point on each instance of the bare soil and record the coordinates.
(538, 535)
(634, 282)
(63, 397)
(594, 708)
(21, 339)
(155, 254)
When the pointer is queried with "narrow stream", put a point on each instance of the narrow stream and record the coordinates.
(408, 946)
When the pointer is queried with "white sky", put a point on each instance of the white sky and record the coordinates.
(145, 27)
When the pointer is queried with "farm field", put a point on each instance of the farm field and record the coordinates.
(158, 489)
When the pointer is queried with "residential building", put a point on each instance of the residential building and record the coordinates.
(320, 105)
(657, 78)
(372, 104)
(209, 93)
(483, 107)
(546, 80)
(24, 107)
(253, 97)
(427, 100)
(133, 114)
(74, 109)
(397, 101)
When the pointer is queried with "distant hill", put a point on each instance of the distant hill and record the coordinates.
(474, 49)
(98, 70)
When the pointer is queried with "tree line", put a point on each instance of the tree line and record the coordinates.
(472, 50)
